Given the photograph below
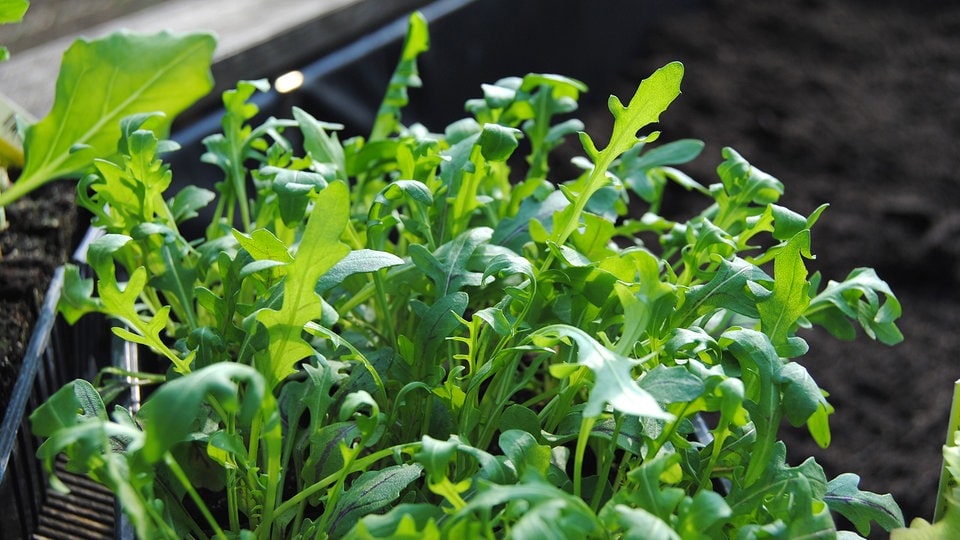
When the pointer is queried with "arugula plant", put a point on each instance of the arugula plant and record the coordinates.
(427, 335)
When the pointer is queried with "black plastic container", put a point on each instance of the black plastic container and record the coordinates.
(56, 354)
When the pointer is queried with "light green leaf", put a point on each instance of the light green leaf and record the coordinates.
(613, 378)
(780, 311)
(405, 75)
(103, 81)
(320, 248)
(12, 11)
(262, 244)
(947, 528)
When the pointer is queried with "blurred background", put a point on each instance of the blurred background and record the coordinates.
(855, 103)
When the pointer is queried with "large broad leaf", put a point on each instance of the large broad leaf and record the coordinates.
(103, 81)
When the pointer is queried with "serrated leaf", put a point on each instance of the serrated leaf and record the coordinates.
(405, 75)
(319, 249)
(790, 297)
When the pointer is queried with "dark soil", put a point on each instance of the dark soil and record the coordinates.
(40, 235)
(853, 103)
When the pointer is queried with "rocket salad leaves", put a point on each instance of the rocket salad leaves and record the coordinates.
(410, 336)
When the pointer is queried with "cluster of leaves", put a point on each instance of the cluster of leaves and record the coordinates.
(421, 335)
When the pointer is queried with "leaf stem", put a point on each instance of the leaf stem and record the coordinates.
(197, 499)
(586, 427)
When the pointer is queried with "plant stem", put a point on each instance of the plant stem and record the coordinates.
(197, 499)
(586, 427)
(945, 476)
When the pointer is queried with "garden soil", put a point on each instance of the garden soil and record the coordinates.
(855, 103)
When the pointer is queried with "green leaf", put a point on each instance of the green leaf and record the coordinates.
(858, 298)
(293, 189)
(862, 507)
(12, 11)
(403, 522)
(529, 458)
(438, 322)
(702, 513)
(727, 289)
(359, 261)
(262, 245)
(187, 201)
(448, 267)
(404, 76)
(185, 395)
(321, 146)
(649, 493)
(613, 379)
(103, 81)
(497, 142)
(320, 248)
(74, 403)
(672, 384)
(780, 310)
(801, 395)
(370, 492)
(77, 298)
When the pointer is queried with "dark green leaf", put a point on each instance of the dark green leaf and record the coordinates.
(862, 507)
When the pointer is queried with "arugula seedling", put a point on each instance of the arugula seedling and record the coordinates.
(399, 335)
